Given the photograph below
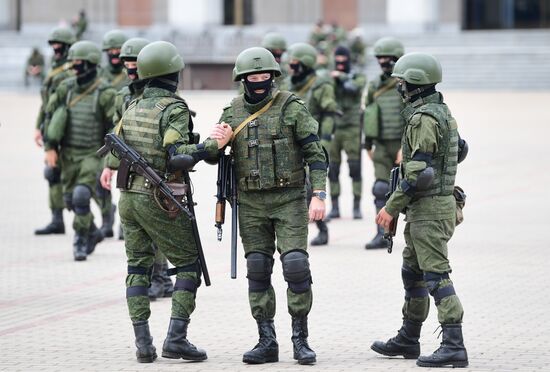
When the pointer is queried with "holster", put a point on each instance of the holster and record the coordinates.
(179, 190)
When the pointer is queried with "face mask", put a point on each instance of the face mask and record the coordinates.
(387, 67)
(79, 69)
(132, 73)
(296, 68)
(402, 91)
(60, 51)
(343, 66)
(277, 56)
(250, 87)
(114, 56)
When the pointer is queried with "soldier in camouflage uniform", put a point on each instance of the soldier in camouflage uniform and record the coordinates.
(317, 91)
(276, 44)
(82, 111)
(278, 137)
(432, 150)
(60, 40)
(114, 74)
(347, 136)
(158, 126)
(383, 126)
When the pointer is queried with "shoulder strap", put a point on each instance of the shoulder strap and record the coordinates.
(118, 79)
(385, 88)
(253, 116)
(307, 86)
(75, 100)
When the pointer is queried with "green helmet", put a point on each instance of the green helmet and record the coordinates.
(62, 35)
(157, 59)
(255, 60)
(86, 51)
(113, 40)
(132, 47)
(388, 46)
(304, 53)
(418, 68)
(273, 41)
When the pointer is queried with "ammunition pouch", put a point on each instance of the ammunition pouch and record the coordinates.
(179, 190)
(460, 198)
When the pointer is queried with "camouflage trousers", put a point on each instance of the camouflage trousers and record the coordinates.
(145, 223)
(272, 220)
(346, 139)
(425, 254)
(55, 189)
(383, 158)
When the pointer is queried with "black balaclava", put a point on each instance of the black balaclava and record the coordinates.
(299, 72)
(387, 67)
(60, 52)
(411, 92)
(342, 66)
(115, 67)
(277, 54)
(168, 82)
(131, 72)
(250, 87)
(85, 72)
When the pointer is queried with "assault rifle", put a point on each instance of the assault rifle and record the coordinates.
(394, 181)
(227, 190)
(132, 161)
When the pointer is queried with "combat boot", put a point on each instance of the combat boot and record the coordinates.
(335, 211)
(168, 285)
(56, 226)
(80, 246)
(404, 344)
(177, 346)
(146, 352)
(95, 236)
(322, 237)
(451, 353)
(378, 242)
(107, 223)
(156, 290)
(267, 348)
(302, 352)
(357, 215)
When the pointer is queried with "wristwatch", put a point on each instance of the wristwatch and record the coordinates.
(320, 194)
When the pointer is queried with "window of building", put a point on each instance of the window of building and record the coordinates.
(237, 12)
(506, 14)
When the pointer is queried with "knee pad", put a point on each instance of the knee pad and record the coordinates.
(68, 201)
(410, 280)
(355, 169)
(81, 199)
(186, 284)
(333, 172)
(296, 271)
(259, 268)
(379, 190)
(433, 282)
(52, 175)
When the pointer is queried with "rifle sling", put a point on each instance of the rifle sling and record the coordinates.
(75, 100)
(385, 88)
(253, 116)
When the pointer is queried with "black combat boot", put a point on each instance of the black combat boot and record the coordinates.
(107, 223)
(146, 352)
(302, 352)
(357, 215)
(405, 343)
(177, 346)
(168, 285)
(451, 353)
(322, 238)
(156, 290)
(80, 246)
(95, 236)
(56, 226)
(378, 242)
(335, 211)
(267, 348)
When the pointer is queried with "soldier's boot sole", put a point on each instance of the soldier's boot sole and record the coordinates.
(449, 364)
(50, 230)
(172, 355)
(147, 359)
(379, 350)
(305, 361)
(250, 359)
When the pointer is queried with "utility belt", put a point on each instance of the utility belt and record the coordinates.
(254, 182)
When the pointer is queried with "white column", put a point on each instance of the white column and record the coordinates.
(5, 14)
(195, 13)
(412, 15)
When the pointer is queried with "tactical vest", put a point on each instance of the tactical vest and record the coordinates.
(141, 129)
(350, 104)
(85, 128)
(266, 153)
(312, 104)
(390, 104)
(444, 161)
(55, 76)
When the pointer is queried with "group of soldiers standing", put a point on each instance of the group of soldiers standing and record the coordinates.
(285, 132)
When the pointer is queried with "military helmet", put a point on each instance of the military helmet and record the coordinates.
(255, 60)
(388, 46)
(113, 40)
(132, 47)
(418, 68)
(273, 41)
(62, 35)
(158, 58)
(304, 53)
(86, 51)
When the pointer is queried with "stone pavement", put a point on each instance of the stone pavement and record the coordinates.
(57, 314)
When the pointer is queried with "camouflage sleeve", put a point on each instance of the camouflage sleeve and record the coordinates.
(305, 132)
(176, 135)
(327, 101)
(117, 113)
(422, 136)
(369, 99)
(55, 100)
(354, 83)
(107, 104)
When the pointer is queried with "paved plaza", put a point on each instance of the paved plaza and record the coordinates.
(61, 315)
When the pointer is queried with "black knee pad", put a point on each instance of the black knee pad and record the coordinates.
(81, 199)
(410, 278)
(379, 190)
(137, 290)
(333, 172)
(433, 282)
(296, 271)
(52, 175)
(355, 169)
(259, 268)
(186, 284)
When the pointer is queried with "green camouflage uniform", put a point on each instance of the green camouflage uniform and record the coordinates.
(430, 133)
(117, 79)
(270, 155)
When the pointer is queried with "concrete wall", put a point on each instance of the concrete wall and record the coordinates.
(287, 11)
